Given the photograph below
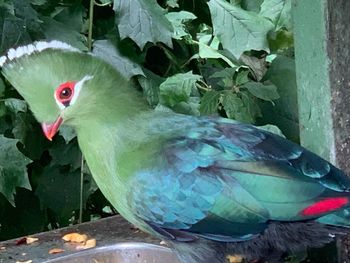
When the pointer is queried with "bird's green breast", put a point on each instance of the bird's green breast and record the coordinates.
(115, 152)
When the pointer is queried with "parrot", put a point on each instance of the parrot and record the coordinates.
(208, 186)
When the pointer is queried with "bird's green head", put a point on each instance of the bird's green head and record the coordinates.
(60, 83)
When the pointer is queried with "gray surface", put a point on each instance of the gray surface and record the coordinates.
(107, 231)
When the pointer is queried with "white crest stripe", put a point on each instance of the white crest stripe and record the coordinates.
(35, 47)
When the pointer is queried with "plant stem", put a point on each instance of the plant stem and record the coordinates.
(91, 19)
(81, 190)
(102, 5)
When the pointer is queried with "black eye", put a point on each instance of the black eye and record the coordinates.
(65, 93)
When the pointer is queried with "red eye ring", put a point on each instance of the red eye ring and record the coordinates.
(65, 92)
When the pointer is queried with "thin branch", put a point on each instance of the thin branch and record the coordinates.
(202, 88)
(91, 19)
(81, 190)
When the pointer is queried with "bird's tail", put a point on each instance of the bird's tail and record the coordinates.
(340, 218)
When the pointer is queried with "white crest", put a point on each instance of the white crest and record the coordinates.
(35, 47)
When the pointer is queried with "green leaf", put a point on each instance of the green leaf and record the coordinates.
(232, 105)
(178, 20)
(273, 129)
(211, 51)
(16, 105)
(66, 154)
(190, 108)
(236, 2)
(56, 30)
(251, 109)
(242, 77)
(251, 5)
(20, 124)
(59, 191)
(279, 11)
(281, 41)
(143, 21)
(210, 102)
(15, 26)
(13, 171)
(284, 113)
(237, 29)
(65, 24)
(261, 91)
(225, 77)
(67, 133)
(172, 3)
(177, 88)
(150, 85)
(2, 87)
(107, 51)
(38, 2)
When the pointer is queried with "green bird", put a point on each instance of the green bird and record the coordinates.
(208, 186)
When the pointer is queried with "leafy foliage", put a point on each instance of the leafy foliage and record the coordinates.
(227, 58)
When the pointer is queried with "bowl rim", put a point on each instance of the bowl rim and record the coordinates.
(116, 246)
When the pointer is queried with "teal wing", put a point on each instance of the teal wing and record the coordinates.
(226, 181)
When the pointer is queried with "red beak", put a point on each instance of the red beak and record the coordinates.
(50, 129)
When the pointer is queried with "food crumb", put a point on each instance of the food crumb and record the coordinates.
(56, 251)
(88, 244)
(234, 259)
(75, 237)
(30, 240)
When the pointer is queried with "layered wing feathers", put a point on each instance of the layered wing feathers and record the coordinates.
(225, 181)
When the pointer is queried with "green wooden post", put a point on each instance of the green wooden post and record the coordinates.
(312, 68)
(322, 53)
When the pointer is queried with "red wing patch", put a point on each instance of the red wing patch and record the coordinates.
(325, 206)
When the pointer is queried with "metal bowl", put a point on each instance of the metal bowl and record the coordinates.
(121, 253)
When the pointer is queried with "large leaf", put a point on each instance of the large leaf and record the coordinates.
(237, 29)
(279, 11)
(210, 102)
(16, 105)
(13, 171)
(2, 87)
(178, 20)
(211, 50)
(261, 91)
(58, 189)
(225, 77)
(56, 30)
(150, 85)
(285, 112)
(12, 30)
(251, 5)
(172, 3)
(272, 128)
(66, 154)
(177, 88)
(108, 52)
(66, 24)
(232, 105)
(143, 21)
